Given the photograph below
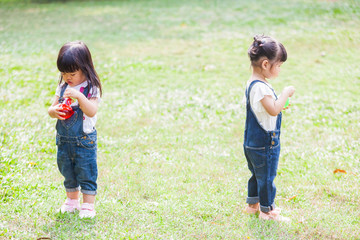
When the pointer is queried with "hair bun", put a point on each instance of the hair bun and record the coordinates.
(258, 41)
(263, 41)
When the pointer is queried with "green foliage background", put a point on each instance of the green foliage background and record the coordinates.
(171, 119)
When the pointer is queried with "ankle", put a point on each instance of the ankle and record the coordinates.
(72, 200)
(255, 206)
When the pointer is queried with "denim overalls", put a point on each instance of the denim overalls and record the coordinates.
(262, 150)
(76, 156)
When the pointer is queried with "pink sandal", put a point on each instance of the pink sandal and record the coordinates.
(87, 210)
(274, 215)
(250, 210)
(70, 206)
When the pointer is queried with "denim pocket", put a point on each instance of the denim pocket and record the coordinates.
(258, 156)
(68, 123)
(89, 141)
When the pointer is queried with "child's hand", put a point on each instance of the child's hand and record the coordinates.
(285, 95)
(54, 112)
(289, 90)
(72, 93)
(287, 106)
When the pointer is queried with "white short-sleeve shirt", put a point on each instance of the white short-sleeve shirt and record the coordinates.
(258, 91)
(89, 122)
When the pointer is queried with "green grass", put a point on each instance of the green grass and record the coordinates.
(171, 121)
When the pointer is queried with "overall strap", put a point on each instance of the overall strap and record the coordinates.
(61, 98)
(87, 90)
(247, 91)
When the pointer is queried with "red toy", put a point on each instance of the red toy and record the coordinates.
(66, 108)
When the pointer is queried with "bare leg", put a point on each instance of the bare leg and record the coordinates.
(88, 198)
(255, 206)
(73, 195)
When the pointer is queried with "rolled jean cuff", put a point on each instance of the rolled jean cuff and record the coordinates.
(267, 208)
(252, 200)
(88, 192)
(72, 189)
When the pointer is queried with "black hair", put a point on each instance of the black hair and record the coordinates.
(74, 56)
(264, 46)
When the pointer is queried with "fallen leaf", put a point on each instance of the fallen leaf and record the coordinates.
(301, 220)
(339, 171)
(293, 197)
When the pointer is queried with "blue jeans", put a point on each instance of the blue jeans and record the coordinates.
(263, 164)
(76, 158)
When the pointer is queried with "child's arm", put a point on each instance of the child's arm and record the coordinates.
(275, 107)
(88, 106)
(54, 110)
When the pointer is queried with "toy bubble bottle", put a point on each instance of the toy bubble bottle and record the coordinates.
(66, 108)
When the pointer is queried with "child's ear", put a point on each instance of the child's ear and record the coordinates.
(265, 64)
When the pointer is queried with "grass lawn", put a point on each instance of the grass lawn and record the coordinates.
(171, 121)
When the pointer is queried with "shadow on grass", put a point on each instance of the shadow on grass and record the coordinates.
(71, 226)
(262, 229)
